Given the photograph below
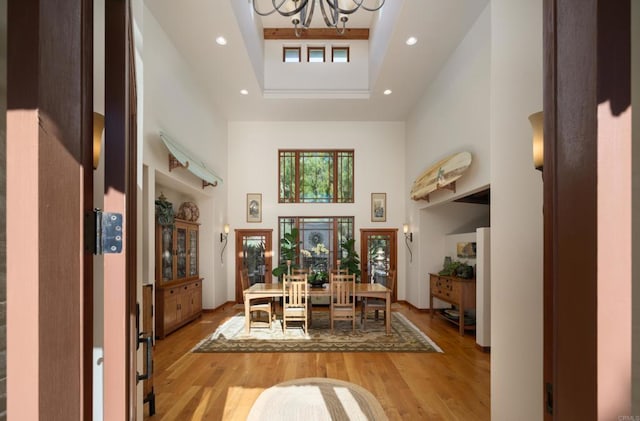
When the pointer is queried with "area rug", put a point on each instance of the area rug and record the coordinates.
(318, 399)
(405, 337)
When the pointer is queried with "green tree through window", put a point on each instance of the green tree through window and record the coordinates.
(316, 176)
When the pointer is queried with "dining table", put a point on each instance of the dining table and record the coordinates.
(274, 290)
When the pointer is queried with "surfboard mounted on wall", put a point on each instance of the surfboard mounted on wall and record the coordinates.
(442, 175)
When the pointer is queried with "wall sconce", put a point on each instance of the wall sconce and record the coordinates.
(408, 237)
(223, 239)
(537, 124)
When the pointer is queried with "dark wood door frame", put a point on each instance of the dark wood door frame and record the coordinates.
(49, 185)
(587, 209)
(120, 392)
(393, 264)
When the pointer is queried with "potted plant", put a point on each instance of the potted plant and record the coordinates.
(351, 261)
(164, 211)
(288, 245)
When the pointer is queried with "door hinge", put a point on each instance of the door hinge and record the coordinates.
(103, 232)
(549, 398)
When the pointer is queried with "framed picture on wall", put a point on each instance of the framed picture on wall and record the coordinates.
(254, 207)
(466, 250)
(378, 207)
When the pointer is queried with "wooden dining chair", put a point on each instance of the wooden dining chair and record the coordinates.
(264, 305)
(295, 296)
(377, 304)
(343, 303)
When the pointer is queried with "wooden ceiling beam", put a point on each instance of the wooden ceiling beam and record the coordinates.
(316, 33)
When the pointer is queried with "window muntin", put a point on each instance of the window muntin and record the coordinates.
(330, 231)
(291, 54)
(340, 54)
(315, 54)
(324, 176)
(344, 173)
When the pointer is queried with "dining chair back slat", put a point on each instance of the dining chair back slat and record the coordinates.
(343, 303)
(295, 295)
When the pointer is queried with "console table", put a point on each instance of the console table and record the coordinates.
(454, 290)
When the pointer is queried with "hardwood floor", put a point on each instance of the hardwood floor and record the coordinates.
(453, 385)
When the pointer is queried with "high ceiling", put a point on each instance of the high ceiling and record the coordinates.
(193, 25)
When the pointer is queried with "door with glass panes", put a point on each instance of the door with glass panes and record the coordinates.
(253, 252)
(378, 256)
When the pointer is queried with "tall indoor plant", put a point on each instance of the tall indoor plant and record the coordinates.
(351, 261)
(288, 246)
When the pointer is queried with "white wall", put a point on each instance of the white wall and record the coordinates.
(309, 77)
(174, 102)
(452, 116)
(483, 287)
(379, 152)
(516, 212)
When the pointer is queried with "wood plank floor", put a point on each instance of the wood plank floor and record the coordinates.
(453, 385)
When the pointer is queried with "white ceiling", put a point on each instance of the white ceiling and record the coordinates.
(439, 26)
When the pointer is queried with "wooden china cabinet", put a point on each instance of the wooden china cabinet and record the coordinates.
(178, 284)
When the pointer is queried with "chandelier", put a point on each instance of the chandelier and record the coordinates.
(335, 12)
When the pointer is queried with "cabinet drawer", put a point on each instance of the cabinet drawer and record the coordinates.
(446, 289)
(192, 286)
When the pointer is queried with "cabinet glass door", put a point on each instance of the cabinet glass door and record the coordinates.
(167, 253)
(181, 252)
(193, 253)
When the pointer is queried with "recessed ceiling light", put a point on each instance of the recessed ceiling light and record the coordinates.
(387, 92)
(221, 40)
(244, 92)
(411, 40)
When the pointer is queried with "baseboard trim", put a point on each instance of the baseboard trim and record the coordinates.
(414, 308)
(211, 310)
(485, 349)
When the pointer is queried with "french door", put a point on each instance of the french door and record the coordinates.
(253, 252)
(378, 255)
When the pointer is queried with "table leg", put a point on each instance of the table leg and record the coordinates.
(388, 312)
(431, 310)
(247, 316)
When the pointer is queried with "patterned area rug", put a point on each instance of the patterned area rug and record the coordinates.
(405, 337)
(318, 399)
